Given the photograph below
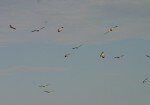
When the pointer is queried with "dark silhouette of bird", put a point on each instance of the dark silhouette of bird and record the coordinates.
(147, 56)
(12, 27)
(48, 91)
(102, 55)
(60, 29)
(43, 85)
(77, 46)
(46, 85)
(145, 80)
(119, 56)
(66, 55)
(111, 29)
(37, 30)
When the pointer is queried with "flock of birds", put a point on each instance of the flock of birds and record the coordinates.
(101, 55)
(145, 81)
(45, 88)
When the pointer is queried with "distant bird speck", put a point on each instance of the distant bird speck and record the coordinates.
(66, 55)
(147, 56)
(119, 56)
(43, 85)
(48, 91)
(77, 46)
(145, 80)
(111, 29)
(12, 27)
(60, 29)
(37, 30)
(102, 55)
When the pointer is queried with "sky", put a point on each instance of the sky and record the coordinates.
(30, 59)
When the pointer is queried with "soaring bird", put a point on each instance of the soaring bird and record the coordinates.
(37, 30)
(48, 91)
(43, 85)
(145, 80)
(77, 46)
(46, 85)
(102, 55)
(60, 29)
(119, 56)
(147, 56)
(111, 29)
(66, 55)
(12, 27)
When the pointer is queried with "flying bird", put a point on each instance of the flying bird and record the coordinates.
(66, 55)
(37, 30)
(43, 85)
(60, 29)
(111, 29)
(12, 27)
(147, 56)
(145, 80)
(46, 85)
(48, 91)
(102, 55)
(119, 56)
(77, 46)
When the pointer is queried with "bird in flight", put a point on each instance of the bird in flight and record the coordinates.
(66, 55)
(37, 30)
(12, 27)
(111, 29)
(48, 91)
(119, 56)
(102, 55)
(147, 56)
(46, 85)
(145, 80)
(77, 46)
(60, 29)
(43, 85)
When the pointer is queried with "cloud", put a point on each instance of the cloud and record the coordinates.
(26, 69)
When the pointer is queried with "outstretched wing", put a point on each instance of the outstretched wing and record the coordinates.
(147, 56)
(12, 27)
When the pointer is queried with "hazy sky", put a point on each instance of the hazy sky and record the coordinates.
(29, 59)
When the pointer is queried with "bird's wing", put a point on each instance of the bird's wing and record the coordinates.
(101, 54)
(12, 27)
(33, 30)
(117, 57)
(41, 28)
(106, 32)
(79, 45)
(115, 27)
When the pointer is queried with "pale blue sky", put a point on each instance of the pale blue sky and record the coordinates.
(31, 59)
